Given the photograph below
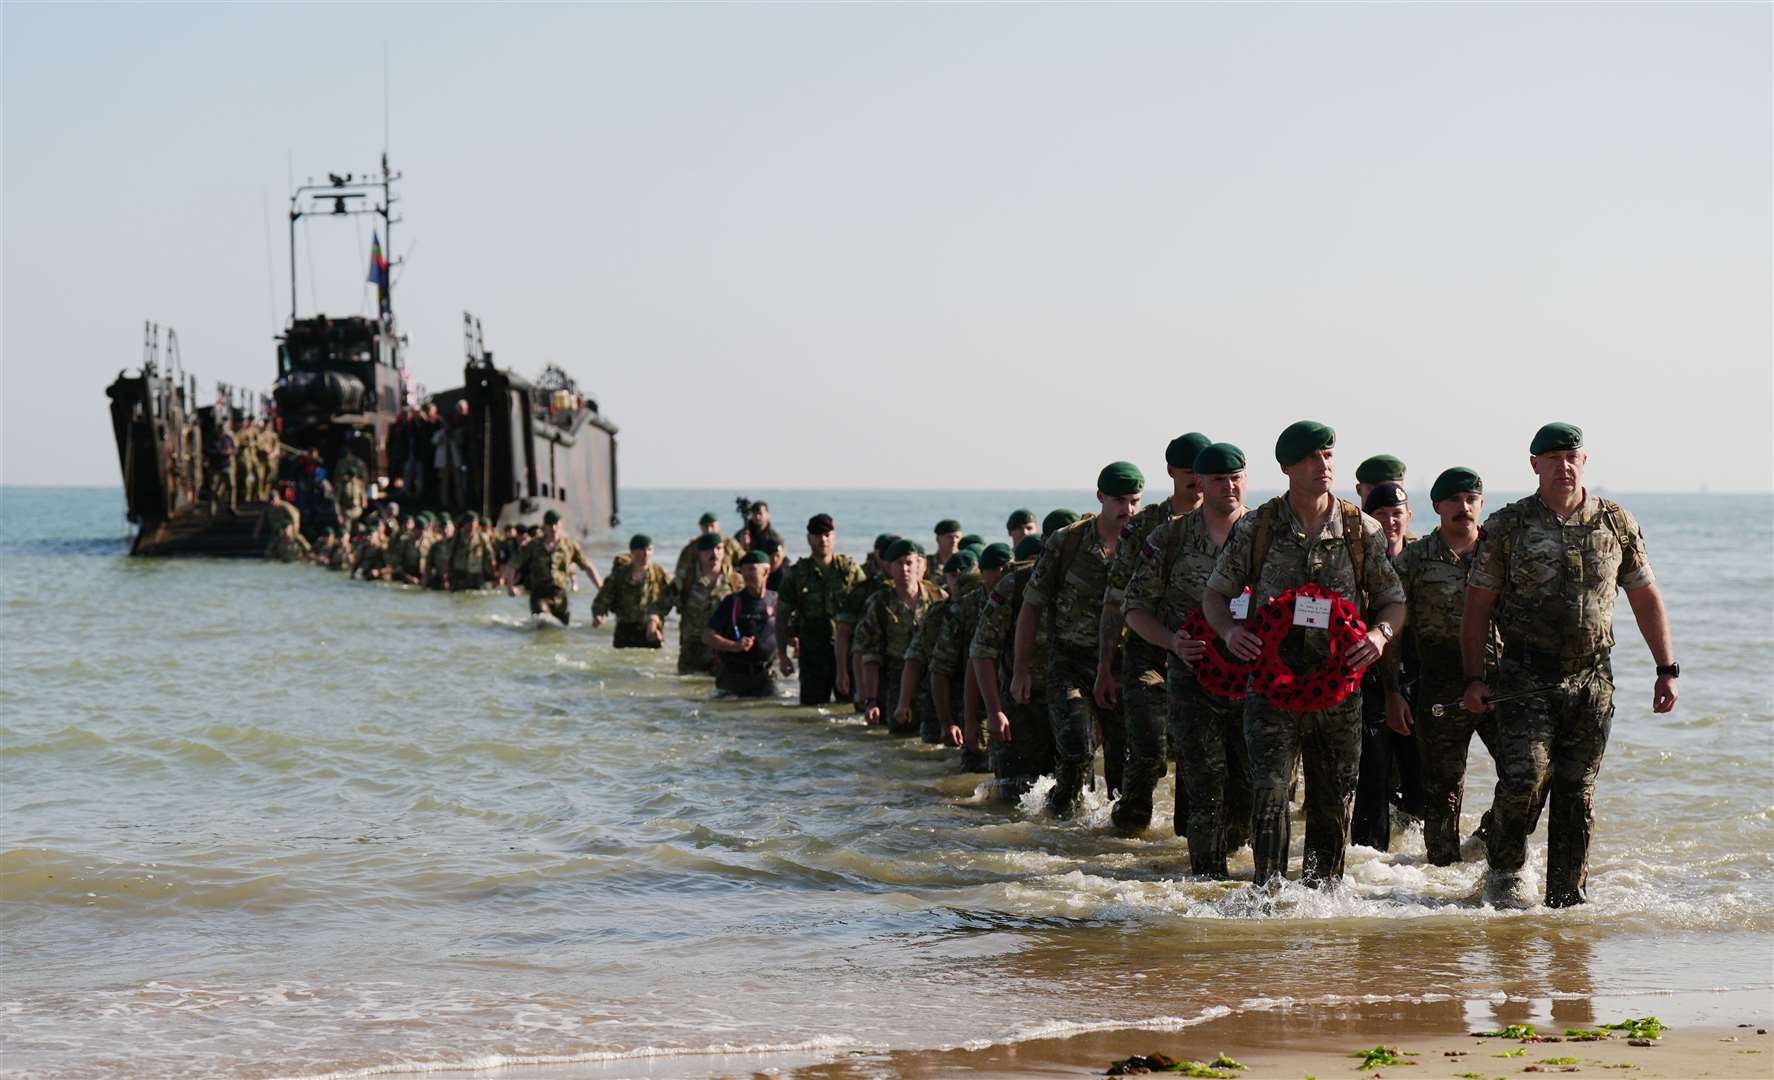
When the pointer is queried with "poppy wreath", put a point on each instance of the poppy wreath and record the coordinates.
(1218, 672)
(1313, 690)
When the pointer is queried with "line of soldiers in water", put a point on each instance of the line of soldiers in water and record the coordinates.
(1030, 654)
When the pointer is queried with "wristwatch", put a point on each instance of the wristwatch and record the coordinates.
(1674, 671)
(1386, 630)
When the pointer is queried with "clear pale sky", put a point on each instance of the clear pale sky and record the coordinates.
(983, 246)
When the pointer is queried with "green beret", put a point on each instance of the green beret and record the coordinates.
(995, 557)
(1303, 437)
(961, 562)
(1028, 547)
(639, 541)
(1454, 481)
(1120, 478)
(1220, 457)
(1379, 469)
(408, 519)
(1019, 518)
(947, 525)
(1053, 522)
(973, 540)
(1183, 450)
(884, 541)
(552, 517)
(465, 517)
(902, 547)
(1384, 494)
(708, 541)
(1556, 437)
(976, 547)
(751, 557)
(707, 519)
(821, 524)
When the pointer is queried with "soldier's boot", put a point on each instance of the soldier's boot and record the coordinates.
(1133, 811)
(1067, 796)
(1507, 892)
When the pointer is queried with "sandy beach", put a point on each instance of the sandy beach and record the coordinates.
(1322, 1043)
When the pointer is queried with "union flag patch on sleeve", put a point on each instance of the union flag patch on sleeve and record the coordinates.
(1148, 550)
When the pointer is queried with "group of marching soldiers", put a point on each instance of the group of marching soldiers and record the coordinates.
(1083, 633)
(1079, 633)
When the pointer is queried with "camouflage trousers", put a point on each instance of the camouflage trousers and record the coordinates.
(553, 602)
(221, 486)
(1445, 742)
(1028, 755)
(1076, 717)
(1550, 746)
(694, 655)
(1213, 766)
(1328, 744)
(892, 675)
(1146, 718)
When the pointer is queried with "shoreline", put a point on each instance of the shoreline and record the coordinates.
(1725, 1035)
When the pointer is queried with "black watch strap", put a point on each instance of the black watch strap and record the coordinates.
(1674, 671)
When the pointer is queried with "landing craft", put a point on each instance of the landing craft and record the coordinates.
(517, 448)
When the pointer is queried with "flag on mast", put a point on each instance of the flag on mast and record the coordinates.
(379, 272)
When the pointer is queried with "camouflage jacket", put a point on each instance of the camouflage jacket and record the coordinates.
(856, 599)
(368, 557)
(686, 567)
(1295, 559)
(472, 563)
(634, 601)
(995, 636)
(1071, 595)
(812, 595)
(698, 599)
(1434, 580)
(1555, 579)
(1127, 548)
(950, 650)
(279, 514)
(544, 570)
(1172, 569)
(885, 631)
(934, 624)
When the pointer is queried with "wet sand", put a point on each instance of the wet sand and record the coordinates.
(1721, 1035)
(1319, 1042)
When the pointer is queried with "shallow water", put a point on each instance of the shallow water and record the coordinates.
(263, 821)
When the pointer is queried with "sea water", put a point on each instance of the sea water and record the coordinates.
(261, 820)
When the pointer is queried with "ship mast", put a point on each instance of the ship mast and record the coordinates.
(342, 196)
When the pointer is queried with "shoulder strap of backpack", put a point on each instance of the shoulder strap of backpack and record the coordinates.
(1072, 541)
(1355, 542)
(1262, 533)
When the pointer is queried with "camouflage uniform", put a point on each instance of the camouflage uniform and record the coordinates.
(368, 558)
(923, 649)
(287, 547)
(544, 572)
(1213, 767)
(1555, 583)
(807, 607)
(687, 568)
(1144, 701)
(437, 560)
(948, 658)
(1327, 740)
(472, 562)
(635, 603)
(270, 452)
(1029, 754)
(696, 604)
(1071, 599)
(850, 611)
(883, 636)
(409, 554)
(1434, 580)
